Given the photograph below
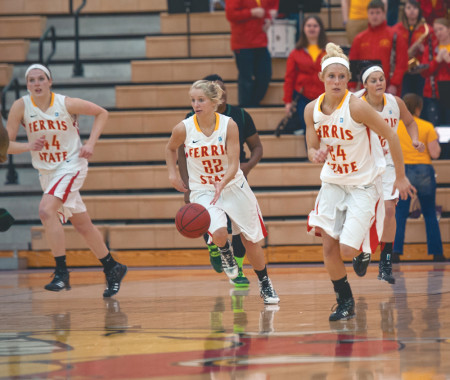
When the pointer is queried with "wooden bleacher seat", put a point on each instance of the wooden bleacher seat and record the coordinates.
(216, 22)
(177, 95)
(205, 45)
(52, 7)
(6, 72)
(285, 174)
(152, 149)
(22, 26)
(190, 70)
(165, 236)
(13, 50)
(157, 122)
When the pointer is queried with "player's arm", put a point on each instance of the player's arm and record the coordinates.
(410, 124)
(182, 169)
(233, 150)
(4, 142)
(315, 153)
(176, 140)
(12, 126)
(362, 112)
(76, 106)
(256, 151)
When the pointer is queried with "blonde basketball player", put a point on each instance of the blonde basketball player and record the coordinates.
(341, 132)
(211, 146)
(391, 108)
(51, 123)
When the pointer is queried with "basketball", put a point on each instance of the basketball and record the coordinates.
(192, 220)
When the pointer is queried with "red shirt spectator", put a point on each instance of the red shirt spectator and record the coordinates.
(375, 43)
(247, 31)
(433, 9)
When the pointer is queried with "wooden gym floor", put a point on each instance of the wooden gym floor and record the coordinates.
(190, 323)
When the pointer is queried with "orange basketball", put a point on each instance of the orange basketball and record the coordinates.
(192, 220)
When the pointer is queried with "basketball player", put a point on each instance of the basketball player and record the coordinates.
(391, 108)
(341, 132)
(51, 123)
(247, 135)
(211, 146)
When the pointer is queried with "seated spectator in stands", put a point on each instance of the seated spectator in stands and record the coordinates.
(433, 9)
(301, 81)
(354, 17)
(420, 172)
(437, 60)
(249, 23)
(379, 42)
(417, 33)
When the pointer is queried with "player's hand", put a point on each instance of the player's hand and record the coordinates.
(245, 167)
(37, 145)
(419, 146)
(86, 151)
(404, 187)
(178, 184)
(320, 155)
(219, 187)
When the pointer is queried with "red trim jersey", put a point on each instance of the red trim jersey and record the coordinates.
(355, 155)
(391, 115)
(61, 133)
(206, 156)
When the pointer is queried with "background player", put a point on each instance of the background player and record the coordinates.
(51, 122)
(391, 108)
(211, 142)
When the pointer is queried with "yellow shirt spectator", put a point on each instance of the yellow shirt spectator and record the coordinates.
(426, 135)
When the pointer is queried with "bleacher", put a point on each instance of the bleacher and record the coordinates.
(127, 191)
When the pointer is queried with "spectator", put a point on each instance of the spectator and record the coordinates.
(433, 9)
(301, 81)
(420, 172)
(437, 58)
(249, 24)
(354, 17)
(379, 42)
(417, 33)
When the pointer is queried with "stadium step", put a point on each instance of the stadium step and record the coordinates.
(22, 27)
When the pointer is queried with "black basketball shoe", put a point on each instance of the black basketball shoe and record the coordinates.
(360, 263)
(113, 279)
(345, 310)
(60, 281)
(385, 271)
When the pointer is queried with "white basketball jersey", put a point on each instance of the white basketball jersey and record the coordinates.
(60, 130)
(206, 156)
(354, 150)
(390, 114)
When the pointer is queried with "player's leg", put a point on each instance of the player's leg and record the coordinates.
(54, 232)
(220, 238)
(239, 252)
(387, 241)
(255, 255)
(214, 253)
(114, 271)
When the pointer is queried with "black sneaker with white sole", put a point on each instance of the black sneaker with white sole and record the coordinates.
(113, 279)
(229, 264)
(345, 310)
(385, 271)
(60, 281)
(360, 263)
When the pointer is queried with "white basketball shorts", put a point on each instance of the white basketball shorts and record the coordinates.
(240, 204)
(388, 178)
(65, 184)
(354, 215)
